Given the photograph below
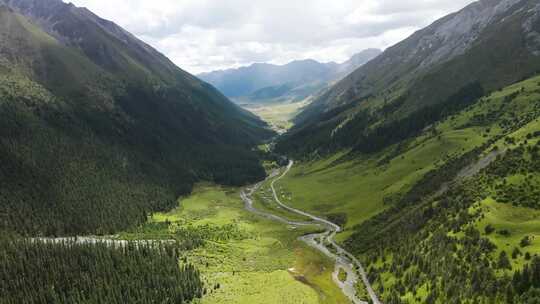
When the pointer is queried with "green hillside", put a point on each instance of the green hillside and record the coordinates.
(482, 233)
(349, 181)
(93, 142)
(395, 215)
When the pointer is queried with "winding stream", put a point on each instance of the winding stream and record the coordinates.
(344, 259)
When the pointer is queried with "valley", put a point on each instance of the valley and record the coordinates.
(409, 175)
(247, 255)
(337, 178)
(323, 242)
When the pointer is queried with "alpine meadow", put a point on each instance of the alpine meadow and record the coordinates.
(270, 152)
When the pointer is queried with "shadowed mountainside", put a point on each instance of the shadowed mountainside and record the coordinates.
(98, 128)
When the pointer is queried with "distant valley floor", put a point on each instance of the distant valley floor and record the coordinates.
(278, 115)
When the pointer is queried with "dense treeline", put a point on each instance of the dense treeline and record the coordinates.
(368, 141)
(522, 160)
(39, 272)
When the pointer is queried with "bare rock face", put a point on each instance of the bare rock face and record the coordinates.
(531, 27)
(453, 36)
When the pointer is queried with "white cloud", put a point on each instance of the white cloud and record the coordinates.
(204, 35)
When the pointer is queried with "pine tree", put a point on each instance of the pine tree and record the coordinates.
(504, 262)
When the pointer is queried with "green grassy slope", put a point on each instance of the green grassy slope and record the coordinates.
(392, 219)
(92, 147)
(481, 235)
(363, 185)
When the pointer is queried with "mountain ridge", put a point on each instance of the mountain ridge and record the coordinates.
(419, 50)
(246, 81)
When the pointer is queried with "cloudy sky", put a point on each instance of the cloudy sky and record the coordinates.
(205, 35)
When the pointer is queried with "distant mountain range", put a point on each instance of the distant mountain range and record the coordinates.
(97, 128)
(294, 81)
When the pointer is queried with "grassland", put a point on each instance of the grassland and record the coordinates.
(264, 200)
(359, 186)
(245, 259)
(362, 186)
